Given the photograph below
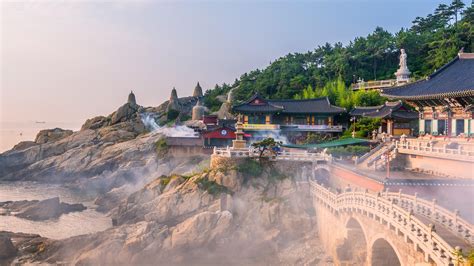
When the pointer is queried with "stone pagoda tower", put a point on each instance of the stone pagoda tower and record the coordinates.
(403, 74)
(198, 111)
(239, 141)
(131, 98)
(173, 103)
(197, 91)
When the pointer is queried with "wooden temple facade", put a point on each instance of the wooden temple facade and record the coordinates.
(444, 100)
(396, 118)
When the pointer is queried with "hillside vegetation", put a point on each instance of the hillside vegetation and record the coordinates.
(430, 42)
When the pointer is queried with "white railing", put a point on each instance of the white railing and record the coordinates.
(318, 127)
(280, 156)
(383, 209)
(431, 210)
(370, 153)
(376, 84)
(228, 152)
(420, 147)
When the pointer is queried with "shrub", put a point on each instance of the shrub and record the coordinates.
(250, 168)
(172, 115)
(161, 147)
(349, 150)
(211, 186)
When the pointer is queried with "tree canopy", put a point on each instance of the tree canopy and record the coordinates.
(430, 42)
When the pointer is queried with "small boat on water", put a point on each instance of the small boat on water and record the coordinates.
(40, 122)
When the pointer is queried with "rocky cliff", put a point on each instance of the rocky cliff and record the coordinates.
(217, 216)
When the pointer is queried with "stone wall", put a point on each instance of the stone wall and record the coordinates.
(439, 167)
(342, 178)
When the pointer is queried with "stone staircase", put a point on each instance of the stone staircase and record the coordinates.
(374, 159)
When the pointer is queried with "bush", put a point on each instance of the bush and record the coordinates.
(172, 115)
(250, 168)
(161, 147)
(211, 186)
(355, 150)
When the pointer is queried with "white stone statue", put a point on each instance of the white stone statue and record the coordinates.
(403, 73)
(403, 59)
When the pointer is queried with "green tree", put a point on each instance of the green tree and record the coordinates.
(266, 147)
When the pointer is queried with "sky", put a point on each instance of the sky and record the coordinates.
(67, 61)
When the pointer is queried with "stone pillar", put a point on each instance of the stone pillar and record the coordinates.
(434, 127)
(453, 127)
(466, 126)
(471, 127)
(422, 126)
(390, 127)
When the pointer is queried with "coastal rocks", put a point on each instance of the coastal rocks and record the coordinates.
(96, 122)
(24, 145)
(7, 250)
(40, 210)
(50, 135)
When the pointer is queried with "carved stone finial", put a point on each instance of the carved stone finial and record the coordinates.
(197, 91)
(131, 98)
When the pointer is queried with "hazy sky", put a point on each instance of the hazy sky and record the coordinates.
(71, 60)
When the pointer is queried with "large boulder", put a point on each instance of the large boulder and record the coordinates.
(24, 145)
(40, 210)
(96, 122)
(50, 135)
(7, 249)
(125, 112)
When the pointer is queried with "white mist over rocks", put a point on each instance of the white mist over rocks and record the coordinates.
(174, 131)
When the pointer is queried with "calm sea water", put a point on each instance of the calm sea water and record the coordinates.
(71, 224)
(13, 132)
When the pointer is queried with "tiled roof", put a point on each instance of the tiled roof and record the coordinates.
(455, 79)
(308, 106)
(389, 109)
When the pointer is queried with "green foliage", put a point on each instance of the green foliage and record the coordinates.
(315, 138)
(185, 118)
(364, 127)
(349, 150)
(250, 168)
(430, 42)
(341, 95)
(161, 147)
(266, 146)
(172, 115)
(211, 186)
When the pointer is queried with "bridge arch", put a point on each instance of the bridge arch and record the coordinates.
(383, 252)
(321, 174)
(353, 249)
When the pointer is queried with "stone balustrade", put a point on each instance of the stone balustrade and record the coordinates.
(431, 210)
(387, 208)
(280, 156)
(422, 147)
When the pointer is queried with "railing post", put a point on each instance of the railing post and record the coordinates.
(433, 206)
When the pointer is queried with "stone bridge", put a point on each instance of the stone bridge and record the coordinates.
(362, 228)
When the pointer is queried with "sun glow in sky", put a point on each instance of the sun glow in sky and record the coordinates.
(71, 60)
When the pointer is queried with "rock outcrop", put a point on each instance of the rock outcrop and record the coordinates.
(51, 135)
(40, 210)
(196, 219)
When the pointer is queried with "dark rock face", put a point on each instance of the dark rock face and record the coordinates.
(95, 123)
(50, 135)
(7, 250)
(40, 210)
(24, 145)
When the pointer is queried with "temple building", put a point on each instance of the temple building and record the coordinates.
(397, 119)
(444, 99)
(294, 118)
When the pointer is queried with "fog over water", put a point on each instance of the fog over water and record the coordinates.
(71, 224)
